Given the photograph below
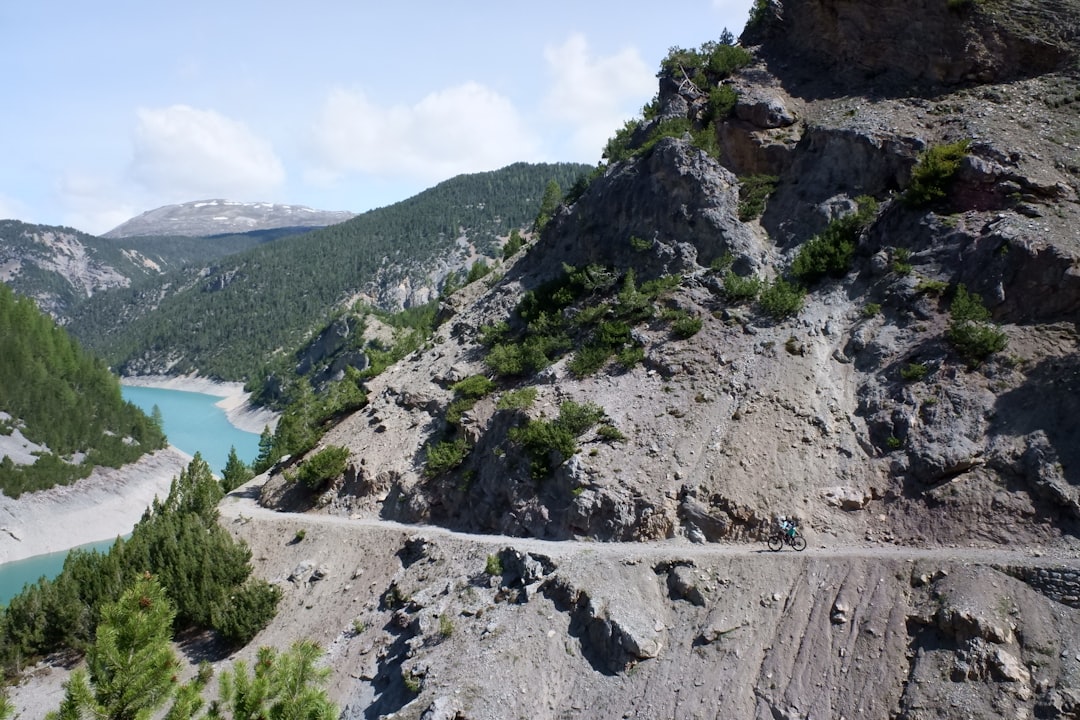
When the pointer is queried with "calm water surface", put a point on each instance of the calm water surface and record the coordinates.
(193, 423)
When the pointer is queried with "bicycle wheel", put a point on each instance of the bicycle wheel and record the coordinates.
(775, 543)
(798, 542)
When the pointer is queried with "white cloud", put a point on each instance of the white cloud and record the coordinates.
(12, 209)
(467, 128)
(91, 204)
(595, 95)
(183, 153)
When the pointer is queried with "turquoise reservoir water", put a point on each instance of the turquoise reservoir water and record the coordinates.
(193, 423)
(15, 575)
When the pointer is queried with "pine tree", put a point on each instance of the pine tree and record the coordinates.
(286, 685)
(131, 664)
(548, 204)
(236, 472)
(266, 450)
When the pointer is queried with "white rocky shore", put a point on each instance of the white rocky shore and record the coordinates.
(100, 507)
(234, 399)
(111, 500)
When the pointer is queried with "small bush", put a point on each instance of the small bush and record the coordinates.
(457, 409)
(781, 299)
(640, 244)
(513, 244)
(894, 443)
(661, 286)
(474, 387)
(247, 611)
(618, 147)
(588, 359)
(900, 264)
(411, 680)
(300, 535)
(579, 417)
(607, 431)
(741, 289)
(871, 309)
(686, 326)
(722, 263)
(933, 173)
(977, 341)
(722, 101)
(544, 439)
(753, 191)
(932, 287)
(446, 626)
(493, 566)
(914, 371)
(326, 464)
(831, 252)
(759, 13)
(630, 356)
(517, 399)
(970, 330)
(445, 456)
(479, 269)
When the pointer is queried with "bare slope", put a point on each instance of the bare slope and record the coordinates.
(856, 415)
(203, 218)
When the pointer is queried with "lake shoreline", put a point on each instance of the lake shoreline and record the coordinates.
(235, 401)
(102, 506)
(111, 501)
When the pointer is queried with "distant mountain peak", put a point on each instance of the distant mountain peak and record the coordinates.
(217, 216)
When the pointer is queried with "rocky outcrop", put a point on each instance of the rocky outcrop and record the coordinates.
(857, 414)
(893, 45)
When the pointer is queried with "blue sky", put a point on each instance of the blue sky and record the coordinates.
(116, 107)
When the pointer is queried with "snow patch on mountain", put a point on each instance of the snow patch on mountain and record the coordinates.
(215, 217)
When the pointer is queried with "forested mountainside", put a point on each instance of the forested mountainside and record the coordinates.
(60, 267)
(227, 319)
(61, 412)
(830, 274)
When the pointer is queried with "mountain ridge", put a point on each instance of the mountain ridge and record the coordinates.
(204, 218)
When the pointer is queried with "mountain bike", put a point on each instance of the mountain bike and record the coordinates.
(779, 539)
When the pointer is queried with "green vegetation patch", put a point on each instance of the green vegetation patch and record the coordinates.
(203, 569)
(781, 299)
(323, 466)
(64, 399)
(520, 399)
(933, 173)
(831, 251)
(446, 455)
(550, 442)
(754, 190)
(578, 309)
(970, 330)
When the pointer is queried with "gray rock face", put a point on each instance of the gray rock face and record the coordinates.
(216, 217)
(919, 41)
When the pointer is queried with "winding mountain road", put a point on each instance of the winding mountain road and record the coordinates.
(241, 506)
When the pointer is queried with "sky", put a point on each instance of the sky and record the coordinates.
(115, 107)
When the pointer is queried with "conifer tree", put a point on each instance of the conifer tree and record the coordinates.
(236, 472)
(285, 685)
(131, 666)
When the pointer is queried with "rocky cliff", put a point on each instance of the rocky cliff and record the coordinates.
(903, 456)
